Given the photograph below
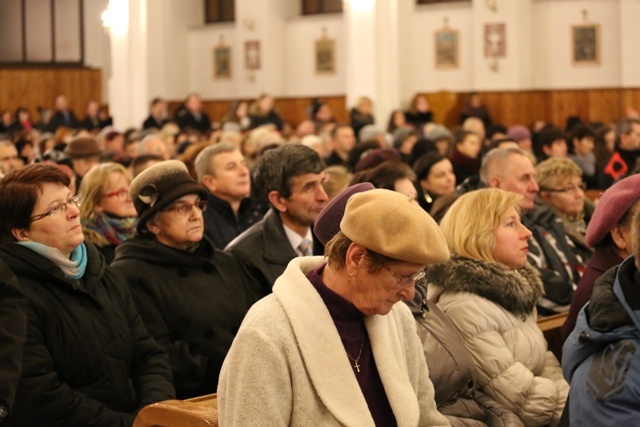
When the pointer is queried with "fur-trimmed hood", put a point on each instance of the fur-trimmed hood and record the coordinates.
(517, 291)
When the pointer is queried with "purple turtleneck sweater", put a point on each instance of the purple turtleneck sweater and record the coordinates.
(349, 322)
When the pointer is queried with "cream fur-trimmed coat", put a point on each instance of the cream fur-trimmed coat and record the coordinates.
(287, 365)
(493, 307)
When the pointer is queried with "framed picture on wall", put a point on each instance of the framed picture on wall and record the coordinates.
(446, 48)
(325, 56)
(252, 55)
(222, 62)
(495, 40)
(585, 44)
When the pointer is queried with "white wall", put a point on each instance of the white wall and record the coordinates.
(538, 48)
(96, 42)
(427, 20)
(299, 50)
(552, 46)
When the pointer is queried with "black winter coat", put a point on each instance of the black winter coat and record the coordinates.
(192, 304)
(88, 359)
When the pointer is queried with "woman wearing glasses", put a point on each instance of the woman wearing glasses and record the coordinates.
(562, 190)
(490, 293)
(88, 359)
(331, 345)
(191, 296)
(106, 211)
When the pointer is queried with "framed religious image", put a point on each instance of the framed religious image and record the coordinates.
(252, 55)
(325, 56)
(495, 40)
(222, 62)
(585, 44)
(446, 48)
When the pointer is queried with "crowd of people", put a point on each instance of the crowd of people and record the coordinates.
(266, 262)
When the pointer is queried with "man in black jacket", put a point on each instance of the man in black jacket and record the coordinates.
(192, 117)
(222, 170)
(290, 177)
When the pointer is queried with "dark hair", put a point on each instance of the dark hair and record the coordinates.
(276, 168)
(420, 148)
(546, 138)
(357, 153)
(139, 162)
(423, 165)
(19, 192)
(385, 175)
(460, 135)
(496, 128)
(581, 131)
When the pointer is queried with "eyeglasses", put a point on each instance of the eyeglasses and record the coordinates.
(121, 194)
(61, 208)
(184, 208)
(569, 189)
(404, 281)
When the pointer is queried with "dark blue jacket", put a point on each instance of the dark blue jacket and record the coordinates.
(601, 357)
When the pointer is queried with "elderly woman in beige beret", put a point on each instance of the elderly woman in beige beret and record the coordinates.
(330, 345)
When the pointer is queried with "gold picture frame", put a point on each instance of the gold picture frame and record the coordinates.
(447, 48)
(222, 62)
(325, 56)
(585, 44)
(252, 54)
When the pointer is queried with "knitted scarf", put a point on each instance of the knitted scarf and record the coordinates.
(72, 267)
(115, 229)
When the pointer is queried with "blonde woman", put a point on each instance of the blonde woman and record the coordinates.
(490, 293)
(107, 213)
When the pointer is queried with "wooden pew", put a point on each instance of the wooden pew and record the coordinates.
(550, 327)
(199, 411)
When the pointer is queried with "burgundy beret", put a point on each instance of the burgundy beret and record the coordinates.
(375, 157)
(611, 207)
(327, 223)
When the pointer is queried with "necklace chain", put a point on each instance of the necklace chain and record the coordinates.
(356, 361)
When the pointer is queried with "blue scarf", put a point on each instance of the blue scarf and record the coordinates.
(72, 267)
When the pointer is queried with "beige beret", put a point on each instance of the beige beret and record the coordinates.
(394, 225)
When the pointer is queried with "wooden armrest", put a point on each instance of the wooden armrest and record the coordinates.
(197, 412)
(551, 328)
(552, 322)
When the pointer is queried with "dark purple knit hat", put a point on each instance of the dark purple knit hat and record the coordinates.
(327, 223)
(611, 207)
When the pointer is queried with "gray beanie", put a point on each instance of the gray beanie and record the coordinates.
(439, 132)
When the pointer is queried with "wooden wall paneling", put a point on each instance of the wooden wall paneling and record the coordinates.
(506, 107)
(605, 105)
(37, 87)
(630, 98)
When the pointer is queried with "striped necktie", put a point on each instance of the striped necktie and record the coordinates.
(306, 247)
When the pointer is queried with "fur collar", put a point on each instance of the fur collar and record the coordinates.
(517, 291)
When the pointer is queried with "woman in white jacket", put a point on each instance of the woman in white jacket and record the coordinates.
(490, 293)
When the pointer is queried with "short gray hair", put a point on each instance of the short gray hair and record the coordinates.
(495, 157)
(203, 164)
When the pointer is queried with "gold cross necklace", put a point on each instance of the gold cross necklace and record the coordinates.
(356, 361)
